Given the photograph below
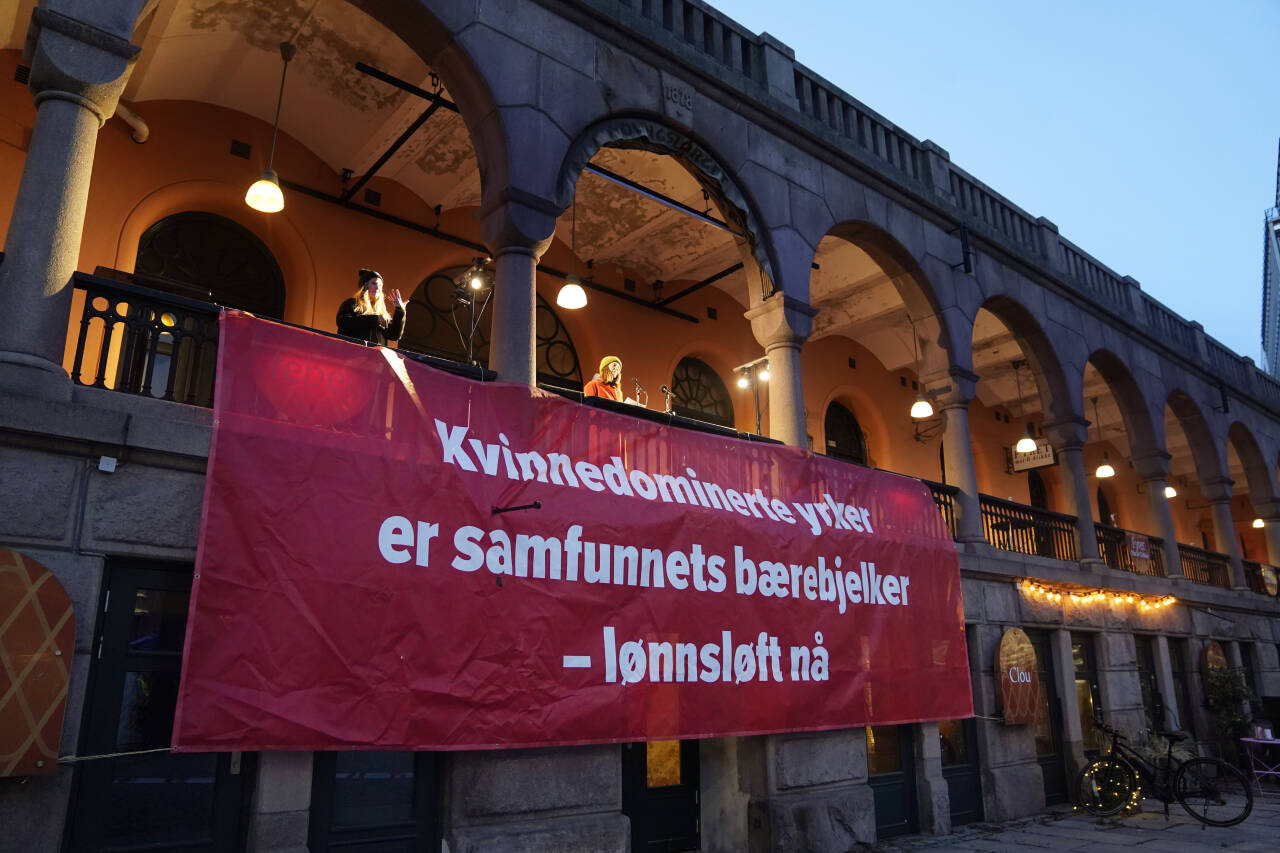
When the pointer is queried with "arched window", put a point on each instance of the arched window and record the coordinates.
(844, 435)
(699, 393)
(438, 321)
(204, 256)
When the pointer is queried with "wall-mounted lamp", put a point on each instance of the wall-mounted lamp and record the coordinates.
(1169, 491)
(571, 295)
(750, 375)
(264, 195)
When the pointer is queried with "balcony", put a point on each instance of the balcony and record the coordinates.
(140, 341)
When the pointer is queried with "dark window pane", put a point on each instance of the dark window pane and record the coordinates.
(955, 749)
(884, 753)
(159, 621)
(373, 789)
(161, 799)
(146, 710)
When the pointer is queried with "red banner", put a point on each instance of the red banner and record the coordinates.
(395, 557)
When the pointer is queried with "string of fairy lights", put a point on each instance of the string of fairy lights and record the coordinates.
(1082, 595)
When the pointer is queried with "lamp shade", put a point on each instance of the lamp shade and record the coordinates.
(1105, 470)
(1257, 522)
(921, 408)
(571, 295)
(265, 195)
(1026, 444)
(1170, 492)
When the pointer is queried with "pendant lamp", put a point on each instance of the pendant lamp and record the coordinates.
(265, 195)
(571, 295)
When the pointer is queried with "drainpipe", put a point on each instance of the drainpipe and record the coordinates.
(140, 130)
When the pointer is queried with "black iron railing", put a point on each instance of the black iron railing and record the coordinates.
(1205, 567)
(144, 342)
(945, 498)
(1253, 577)
(1130, 552)
(1028, 530)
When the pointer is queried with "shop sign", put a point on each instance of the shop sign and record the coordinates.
(1269, 580)
(37, 633)
(394, 557)
(1041, 457)
(1019, 680)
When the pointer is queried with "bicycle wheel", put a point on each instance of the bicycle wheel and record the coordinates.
(1213, 792)
(1106, 786)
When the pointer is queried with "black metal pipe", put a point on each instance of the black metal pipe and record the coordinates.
(406, 86)
(711, 280)
(390, 152)
(659, 197)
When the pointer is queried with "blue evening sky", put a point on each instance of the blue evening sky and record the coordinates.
(1147, 131)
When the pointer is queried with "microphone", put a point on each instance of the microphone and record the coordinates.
(639, 387)
(665, 390)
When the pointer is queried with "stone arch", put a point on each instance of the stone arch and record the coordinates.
(1259, 477)
(1058, 394)
(937, 337)
(1145, 437)
(1210, 465)
(285, 242)
(648, 134)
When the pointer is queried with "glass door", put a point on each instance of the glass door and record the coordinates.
(1048, 724)
(146, 798)
(891, 772)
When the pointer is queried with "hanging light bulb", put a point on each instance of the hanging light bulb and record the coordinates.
(921, 408)
(264, 194)
(1105, 470)
(1170, 492)
(1257, 522)
(572, 295)
(1026, 444)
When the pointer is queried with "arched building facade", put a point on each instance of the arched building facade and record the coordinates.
(725, 209)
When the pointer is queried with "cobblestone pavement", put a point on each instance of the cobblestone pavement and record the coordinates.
(1145, 831)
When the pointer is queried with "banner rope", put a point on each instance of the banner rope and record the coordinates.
(73, 759)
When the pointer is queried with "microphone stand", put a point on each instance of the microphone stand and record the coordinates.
(667, 392)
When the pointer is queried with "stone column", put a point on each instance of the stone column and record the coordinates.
(781, 324)
(1154, 470)
(1064, 672)
(1164, 681)
(952, 401)
(517, 231)
(281, 813)
(1069, 436)
(933, 799)
(77, 74)
(1218, 493)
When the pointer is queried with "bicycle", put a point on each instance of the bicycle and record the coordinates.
(1210, 790)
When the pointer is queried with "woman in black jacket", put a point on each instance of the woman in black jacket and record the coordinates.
(365, 316)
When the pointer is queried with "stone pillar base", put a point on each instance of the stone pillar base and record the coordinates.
(837, 819)
(1012, 791)
(26, 375)
(598, 833)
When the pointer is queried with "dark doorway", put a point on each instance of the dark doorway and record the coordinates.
(891, 775)
(1048, 724)
(374, 801)
(1088, 692)
(660, 795)
(958, 741)
(844, 435)
(1039, 497)
(1105, 516)
(150, 800)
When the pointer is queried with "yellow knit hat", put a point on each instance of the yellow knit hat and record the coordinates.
(604, 362)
